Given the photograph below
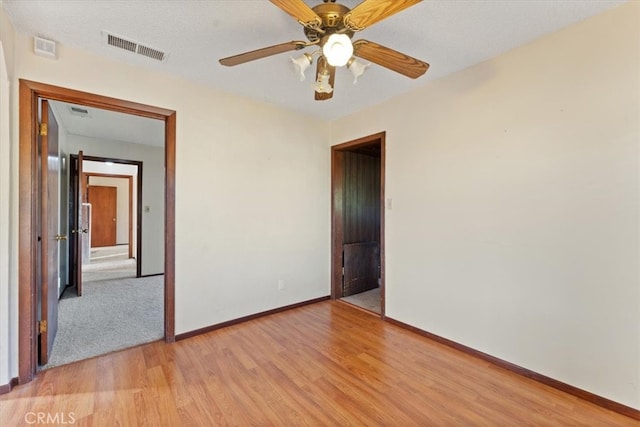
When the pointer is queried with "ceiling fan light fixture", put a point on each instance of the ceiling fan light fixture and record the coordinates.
(301, 64)
(322, 84)
(357, 68)
(329, 28)
(338, 49)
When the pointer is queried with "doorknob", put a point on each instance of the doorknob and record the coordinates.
(60, 237)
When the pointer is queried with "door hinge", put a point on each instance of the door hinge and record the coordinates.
(343, 271)
(42, 326)
(43, 129)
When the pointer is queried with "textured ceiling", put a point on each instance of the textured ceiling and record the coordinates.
(450, 35)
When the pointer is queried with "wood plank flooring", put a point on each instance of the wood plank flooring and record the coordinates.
(326, 364)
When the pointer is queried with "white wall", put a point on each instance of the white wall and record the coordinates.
(515, 220)
(122, 204)
(8, 209)
(123, 194)
(5, 174)
(252, 188)
(152, 159)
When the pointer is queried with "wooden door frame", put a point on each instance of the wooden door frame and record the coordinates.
(337, 219)
(29, 93)
(138, 232)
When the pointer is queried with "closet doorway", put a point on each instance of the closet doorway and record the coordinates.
(357, 203)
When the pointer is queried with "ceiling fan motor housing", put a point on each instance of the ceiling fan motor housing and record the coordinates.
(332, 15)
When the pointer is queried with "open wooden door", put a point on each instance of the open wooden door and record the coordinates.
(49, 212)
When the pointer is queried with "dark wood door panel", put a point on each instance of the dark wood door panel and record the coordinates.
(49, 212)
(82, 220)
(361, 198)
(361, 267)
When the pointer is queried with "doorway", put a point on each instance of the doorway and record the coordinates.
(113, 243)
(30, 286)
(357, 250)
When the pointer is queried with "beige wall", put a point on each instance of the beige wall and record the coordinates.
(515, 220)
(8, 209)
(122, 204)
(7, 36)
(152, 158)
(123, 195)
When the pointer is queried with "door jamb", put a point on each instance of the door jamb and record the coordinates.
(337, 222)
(29, 93)
(138, 190)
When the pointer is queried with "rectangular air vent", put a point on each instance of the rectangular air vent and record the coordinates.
(79, 111)
(44, 47)
(134, 47)
(121, 43)
(151, 53)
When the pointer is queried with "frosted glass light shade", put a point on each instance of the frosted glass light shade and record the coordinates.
(357, 68)
(322, 84)
(301, 64)
(338, 49)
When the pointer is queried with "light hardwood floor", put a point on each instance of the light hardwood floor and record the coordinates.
(325, 364)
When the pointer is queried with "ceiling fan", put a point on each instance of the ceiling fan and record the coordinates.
(330, 26)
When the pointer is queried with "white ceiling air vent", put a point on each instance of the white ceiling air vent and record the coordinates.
(79, 111)
(134, 47)
(44, 47)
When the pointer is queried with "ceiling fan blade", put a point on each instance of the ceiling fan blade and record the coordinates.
(262, 53)
(300, 11)
(369, 12)
(323, 65)
(389, 58)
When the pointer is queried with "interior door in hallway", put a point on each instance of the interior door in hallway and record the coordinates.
(103, 215)
(49, 169)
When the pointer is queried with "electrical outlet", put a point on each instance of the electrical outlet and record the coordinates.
(280, 285)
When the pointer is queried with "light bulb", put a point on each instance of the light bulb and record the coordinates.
(338, 49)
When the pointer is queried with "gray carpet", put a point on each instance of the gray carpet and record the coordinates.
(108, 263)
(110, 315)
(114, 269)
